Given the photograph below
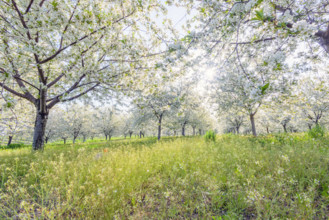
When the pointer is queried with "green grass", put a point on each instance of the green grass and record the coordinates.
(94, 140)
(282, 176)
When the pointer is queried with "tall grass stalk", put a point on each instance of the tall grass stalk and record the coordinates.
(236, 177)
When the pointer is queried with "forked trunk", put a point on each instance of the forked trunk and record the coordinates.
(317, 120)
(9, 140)
(39, 130)
(253, 126)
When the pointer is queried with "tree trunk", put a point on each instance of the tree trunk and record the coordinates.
(130, 133)
(106, 137)
(9, 140)
(267, 130)
(285, 128)
(84, 139)
(39, 130)
(237, 130)
(159, 127)
(200, 131)
(64, 140)
(110, 137)
(317, 122)
(253, 126)
(193, 130)
(183, 129)
(74, 140)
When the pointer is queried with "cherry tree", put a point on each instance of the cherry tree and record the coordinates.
(127, 125)
(189, 103)
(15, 118)
(58, 51)
(232, 33)
(251, 82)
(259, 23)
(265, 121)
(93, 129)
(235, 121)
(75, 120)
(314, 95)
(158, 104)
(88, 125)
(53, 124)
(107, 122)
(141, 119)
(197, 118)
(62, 128)
(172, 125)
(282, 114)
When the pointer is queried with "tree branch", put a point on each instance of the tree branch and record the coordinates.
(21, 19)
(81, 94)
(15, 92)
(29, 6)
(54, 102)
(41, 3)
(80, 39)
(68, 23)
(40, 71)
(55, 80)
(73, 87)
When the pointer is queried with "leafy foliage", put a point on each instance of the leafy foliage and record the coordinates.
(316, 132)
(210, 136)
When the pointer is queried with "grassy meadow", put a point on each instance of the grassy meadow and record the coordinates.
(236, 177)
